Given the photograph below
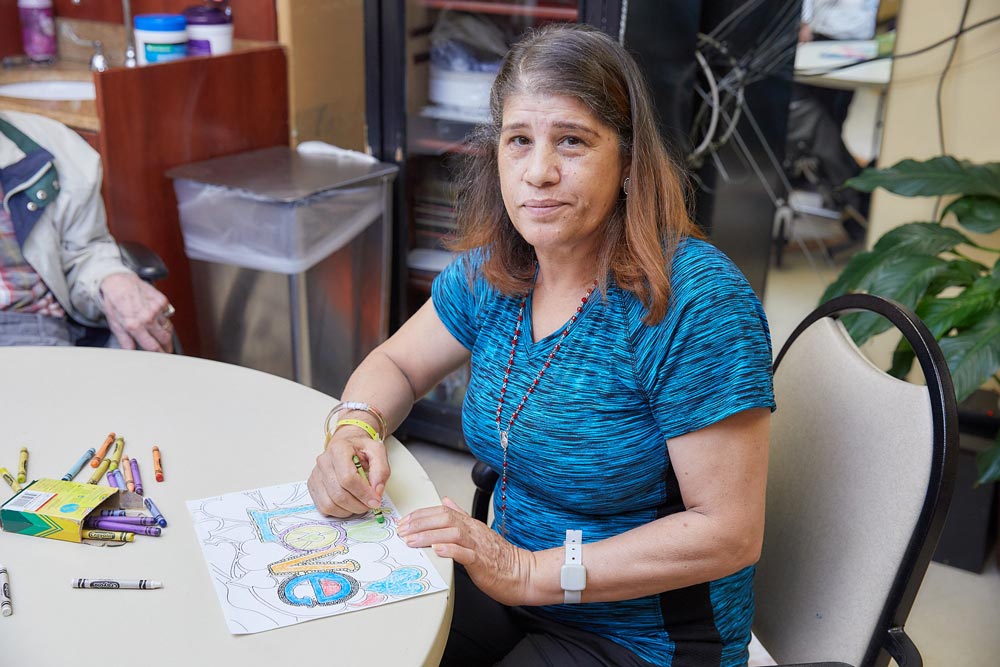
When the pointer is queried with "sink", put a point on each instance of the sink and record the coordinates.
(50, 90)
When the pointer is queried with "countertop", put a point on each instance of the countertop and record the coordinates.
(78, 114)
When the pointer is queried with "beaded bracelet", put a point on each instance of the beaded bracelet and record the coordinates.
(364, 407)
(360, 424)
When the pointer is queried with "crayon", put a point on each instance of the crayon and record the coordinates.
(5, 606)
(155, 511)
(112, 480)
(136, 477)
(108, 535)
(116, 453)
(22, 466)
(139, 584)
(78, 466)
(120, 479)
(129, 513)
(99, 473)
(111, 524)
(364, 476)
(157, 464)
(131, 520)
(127, 471)
(7, 477)
(102, 450)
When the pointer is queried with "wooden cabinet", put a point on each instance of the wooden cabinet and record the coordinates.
(161, 116)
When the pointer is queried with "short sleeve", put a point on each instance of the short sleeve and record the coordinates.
(711, 355)
(454, 299)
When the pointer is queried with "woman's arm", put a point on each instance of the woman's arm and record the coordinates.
(722, 472)
(391, 378)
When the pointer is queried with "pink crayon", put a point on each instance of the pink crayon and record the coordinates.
(136, 478)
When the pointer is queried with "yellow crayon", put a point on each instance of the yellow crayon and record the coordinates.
(22, 466)
(109, 535)
(102, 450)
(99, 473)
(116, 453)
(127, 471)
(7, 477)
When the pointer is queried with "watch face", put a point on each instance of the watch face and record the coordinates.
(573, 577)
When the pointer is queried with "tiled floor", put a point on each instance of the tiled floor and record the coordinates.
(954, 621)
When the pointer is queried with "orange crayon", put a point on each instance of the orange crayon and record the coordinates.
(157, 464)
(96, 461)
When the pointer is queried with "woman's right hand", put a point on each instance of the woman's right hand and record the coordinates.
(335, 485)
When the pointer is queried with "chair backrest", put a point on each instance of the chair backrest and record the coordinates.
(860, 475)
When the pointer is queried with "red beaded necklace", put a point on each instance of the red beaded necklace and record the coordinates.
(531, 388)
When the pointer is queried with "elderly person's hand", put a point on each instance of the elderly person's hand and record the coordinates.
(136, 313)
(496, 566)
(335, 485)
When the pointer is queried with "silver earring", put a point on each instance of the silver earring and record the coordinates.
(626, 184)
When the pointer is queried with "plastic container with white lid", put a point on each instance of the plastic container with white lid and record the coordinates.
(160, 37)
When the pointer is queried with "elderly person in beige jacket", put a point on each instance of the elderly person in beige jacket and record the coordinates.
(60, 270)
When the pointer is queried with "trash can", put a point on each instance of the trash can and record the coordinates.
(290, 258)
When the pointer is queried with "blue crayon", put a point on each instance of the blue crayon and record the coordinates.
(112, 480)
(136, 478)
(155, 511)
(120, 479)
(78, 466)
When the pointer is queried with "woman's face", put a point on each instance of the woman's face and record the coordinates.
(561, 172)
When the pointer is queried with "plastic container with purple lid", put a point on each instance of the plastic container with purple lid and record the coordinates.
(209, 31)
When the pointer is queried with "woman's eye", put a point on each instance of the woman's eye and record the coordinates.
(573, 141)
(520, 141)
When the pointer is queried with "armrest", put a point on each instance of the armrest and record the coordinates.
(485, 478)
(146, 263)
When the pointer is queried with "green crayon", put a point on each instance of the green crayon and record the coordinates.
(364, 476)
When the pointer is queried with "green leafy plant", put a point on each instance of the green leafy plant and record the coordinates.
(924, 265)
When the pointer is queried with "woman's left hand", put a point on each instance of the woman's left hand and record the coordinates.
(496, 566)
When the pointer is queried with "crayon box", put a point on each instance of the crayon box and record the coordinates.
(56, 509)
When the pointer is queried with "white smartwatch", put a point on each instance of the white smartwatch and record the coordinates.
(573, 575)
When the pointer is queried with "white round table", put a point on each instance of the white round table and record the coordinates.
(221, 429)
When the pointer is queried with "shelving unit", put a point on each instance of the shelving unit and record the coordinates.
(556, 11)
(424, 138)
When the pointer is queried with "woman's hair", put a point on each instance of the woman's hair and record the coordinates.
(645, 227)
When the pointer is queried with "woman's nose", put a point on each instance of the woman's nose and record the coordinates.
(543, 167)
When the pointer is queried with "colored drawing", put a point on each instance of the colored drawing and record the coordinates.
(275, 561)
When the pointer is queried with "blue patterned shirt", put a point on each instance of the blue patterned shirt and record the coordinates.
(589, 448)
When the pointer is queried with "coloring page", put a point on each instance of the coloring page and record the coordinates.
(276, 561)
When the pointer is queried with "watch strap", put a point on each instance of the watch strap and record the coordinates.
(574, 559)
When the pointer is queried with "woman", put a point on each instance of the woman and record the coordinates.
(620, 384)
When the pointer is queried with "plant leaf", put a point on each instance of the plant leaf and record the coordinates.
(857, 275)
(924, 238)
(973, 355)
(988, 463)
(964, 309)
(977, 213)
(904, 279)
(902, 360)
(960, 273)
(942, 175)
